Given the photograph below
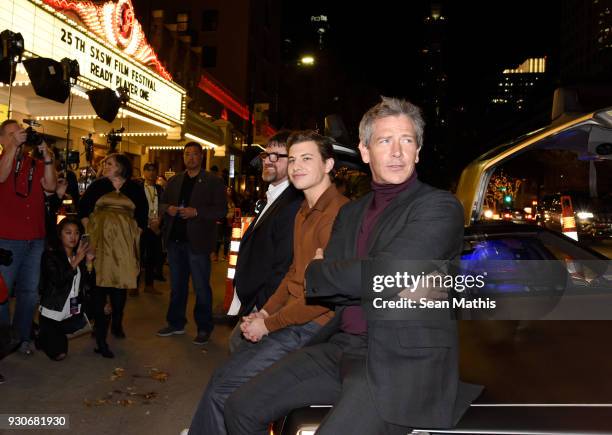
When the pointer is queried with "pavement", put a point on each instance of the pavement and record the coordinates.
(152, 386)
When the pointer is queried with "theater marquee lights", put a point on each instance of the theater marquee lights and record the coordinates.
(104, 62)
(116, 23)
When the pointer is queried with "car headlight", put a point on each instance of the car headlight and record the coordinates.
(488, 214)
(584, 215)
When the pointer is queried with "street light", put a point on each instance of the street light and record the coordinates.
(307, 60)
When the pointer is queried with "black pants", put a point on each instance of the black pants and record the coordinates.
(117, 300)
(52, 334)
(324, 374)
(151, 255)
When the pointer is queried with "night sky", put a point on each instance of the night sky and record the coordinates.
(381, 42)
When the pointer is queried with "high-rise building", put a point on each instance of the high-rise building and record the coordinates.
(434, 79)
(586, 40)
(517, 85)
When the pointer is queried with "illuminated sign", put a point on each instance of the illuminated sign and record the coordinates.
(50, 34)
(115, 22)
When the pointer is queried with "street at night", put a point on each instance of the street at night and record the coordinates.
(269, 217)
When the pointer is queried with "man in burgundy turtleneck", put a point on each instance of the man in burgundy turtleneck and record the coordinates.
(353, 317)
(382, 376)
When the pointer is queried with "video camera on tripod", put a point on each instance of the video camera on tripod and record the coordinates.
(113, 139)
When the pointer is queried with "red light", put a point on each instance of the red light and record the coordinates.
(216, 90)
(209, 85)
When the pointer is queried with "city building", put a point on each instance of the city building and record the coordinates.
(434, 79)
(227, 55)
(517, 85)
(111, 53)
(586, 41)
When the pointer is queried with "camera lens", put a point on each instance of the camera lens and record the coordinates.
(33, 138)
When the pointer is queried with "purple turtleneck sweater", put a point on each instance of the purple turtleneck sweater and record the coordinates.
(353, 317)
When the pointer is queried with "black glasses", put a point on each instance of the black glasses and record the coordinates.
(273, 156)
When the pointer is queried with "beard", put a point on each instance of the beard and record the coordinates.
(269, 175)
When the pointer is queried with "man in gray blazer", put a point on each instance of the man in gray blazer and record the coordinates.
(191, 204)
(382, 376)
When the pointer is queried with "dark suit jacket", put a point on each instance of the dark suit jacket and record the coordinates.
(208, 198)
(412, 364)
(266, 251)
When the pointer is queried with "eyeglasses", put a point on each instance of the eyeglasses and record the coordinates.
(273, 156)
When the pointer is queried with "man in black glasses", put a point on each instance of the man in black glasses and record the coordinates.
(266, 249)
(24, 179)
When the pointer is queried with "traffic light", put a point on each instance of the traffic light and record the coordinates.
(508, 199)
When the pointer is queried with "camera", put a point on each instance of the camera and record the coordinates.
(6, 257)
(88, 144)
(33, 137)
(70, 69)
(113, 138)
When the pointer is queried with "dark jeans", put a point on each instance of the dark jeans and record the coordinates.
(248, 360)
(22, 278)
(52, 334)
(323, 374)
(150, 254)
(183, 263)
(117, 297)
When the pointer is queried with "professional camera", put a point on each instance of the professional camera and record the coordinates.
(70, 69)
(88, 144)
(6, 257)
(113, 138)
(33, 137)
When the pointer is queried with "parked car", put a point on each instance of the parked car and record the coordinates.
(593, 217)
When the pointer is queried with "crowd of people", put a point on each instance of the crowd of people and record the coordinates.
(79, 271)
(302, 336)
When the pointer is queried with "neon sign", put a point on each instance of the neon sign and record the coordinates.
(116, 23)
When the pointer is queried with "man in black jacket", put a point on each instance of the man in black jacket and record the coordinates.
(382, 376)
(266, 249)
(192, 203)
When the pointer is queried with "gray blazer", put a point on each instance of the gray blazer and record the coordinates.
(208, 198)
(413, 370)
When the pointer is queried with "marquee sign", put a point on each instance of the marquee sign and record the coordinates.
(116, 23)
(48, 33)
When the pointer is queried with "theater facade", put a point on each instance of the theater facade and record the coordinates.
(108, 42)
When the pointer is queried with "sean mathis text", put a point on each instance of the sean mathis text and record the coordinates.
(424, 303)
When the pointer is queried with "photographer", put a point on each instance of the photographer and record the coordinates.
(24, 179)
(67, 279)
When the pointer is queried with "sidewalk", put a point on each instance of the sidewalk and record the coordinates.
(152, 386)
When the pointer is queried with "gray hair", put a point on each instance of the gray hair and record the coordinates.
(391, 107)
